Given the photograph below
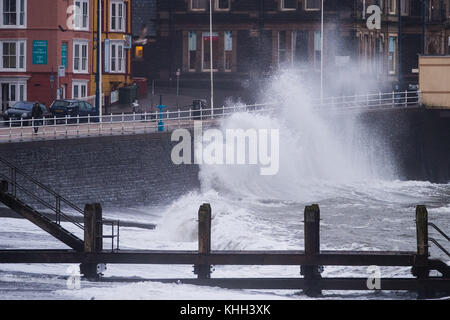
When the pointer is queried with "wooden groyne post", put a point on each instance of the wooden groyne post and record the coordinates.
(421, 268)
(93, 238)
(312, 273)
(203, 271)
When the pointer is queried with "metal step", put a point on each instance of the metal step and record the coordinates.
(42, 221)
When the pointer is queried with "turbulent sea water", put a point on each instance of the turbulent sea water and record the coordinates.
(348, 172)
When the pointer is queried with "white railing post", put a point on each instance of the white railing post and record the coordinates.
(54, 126)
(190, 113)
(100, 121)
(89, 124)
(212, 113)
(21, 128)
(223, 111)
(123, 124)
(145, 122)
(111, 124)
(10, 130)
(379, 98)
(167, 120)
(78, 125)
(134, 122)
(393, 98)
(66, 123)
(406, 98)
(32, 127)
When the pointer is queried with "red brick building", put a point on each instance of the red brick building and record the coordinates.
(35, 39)
(38, 36)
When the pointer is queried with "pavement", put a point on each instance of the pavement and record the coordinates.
(112, 127)
(183, 100)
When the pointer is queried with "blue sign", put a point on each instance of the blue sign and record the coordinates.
(64, 55)
(40, 52)
(107, 57)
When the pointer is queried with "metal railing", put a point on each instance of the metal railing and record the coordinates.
(436, 242)
(59, 201)
(398, 99)
(133, 123)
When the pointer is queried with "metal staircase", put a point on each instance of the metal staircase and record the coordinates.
(12, 194)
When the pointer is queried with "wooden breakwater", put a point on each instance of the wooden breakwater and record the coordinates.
(311, 260)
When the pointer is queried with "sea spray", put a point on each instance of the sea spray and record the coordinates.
(321, 157)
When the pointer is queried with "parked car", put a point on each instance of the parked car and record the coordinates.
(22, 110)
(73, 109)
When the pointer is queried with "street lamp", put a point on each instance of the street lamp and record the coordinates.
(98, 93)
(178, 83)
(321, 54)
(211, 53)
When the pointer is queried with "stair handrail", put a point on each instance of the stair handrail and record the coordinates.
(59, 199)
(45, 203)
(439, 230)
(42, 186)
(439, 246)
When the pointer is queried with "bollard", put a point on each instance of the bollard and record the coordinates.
(420, 268)
(203, 271)
(93, 239)
(311, 273)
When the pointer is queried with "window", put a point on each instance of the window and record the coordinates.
(13, 55)
(192, 50)
(392, 57)
(317, 49)
(79, 89)
(222, 4)
(392, 6)
(448, 48)
(80, 57)
(282, 56)
(81, 18)
(117, 22)
(206, 66)
(13, 13)
(312, 4)
(139, 52)
(300, 47)
(228, 50)
(199, 5)
(117, 57)
(288, 4)
(405, 7)
(379, 51)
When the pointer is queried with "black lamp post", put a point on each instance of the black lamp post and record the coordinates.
(98, 76)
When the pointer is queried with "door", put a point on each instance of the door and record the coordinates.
(10, 94)
(207, 51)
